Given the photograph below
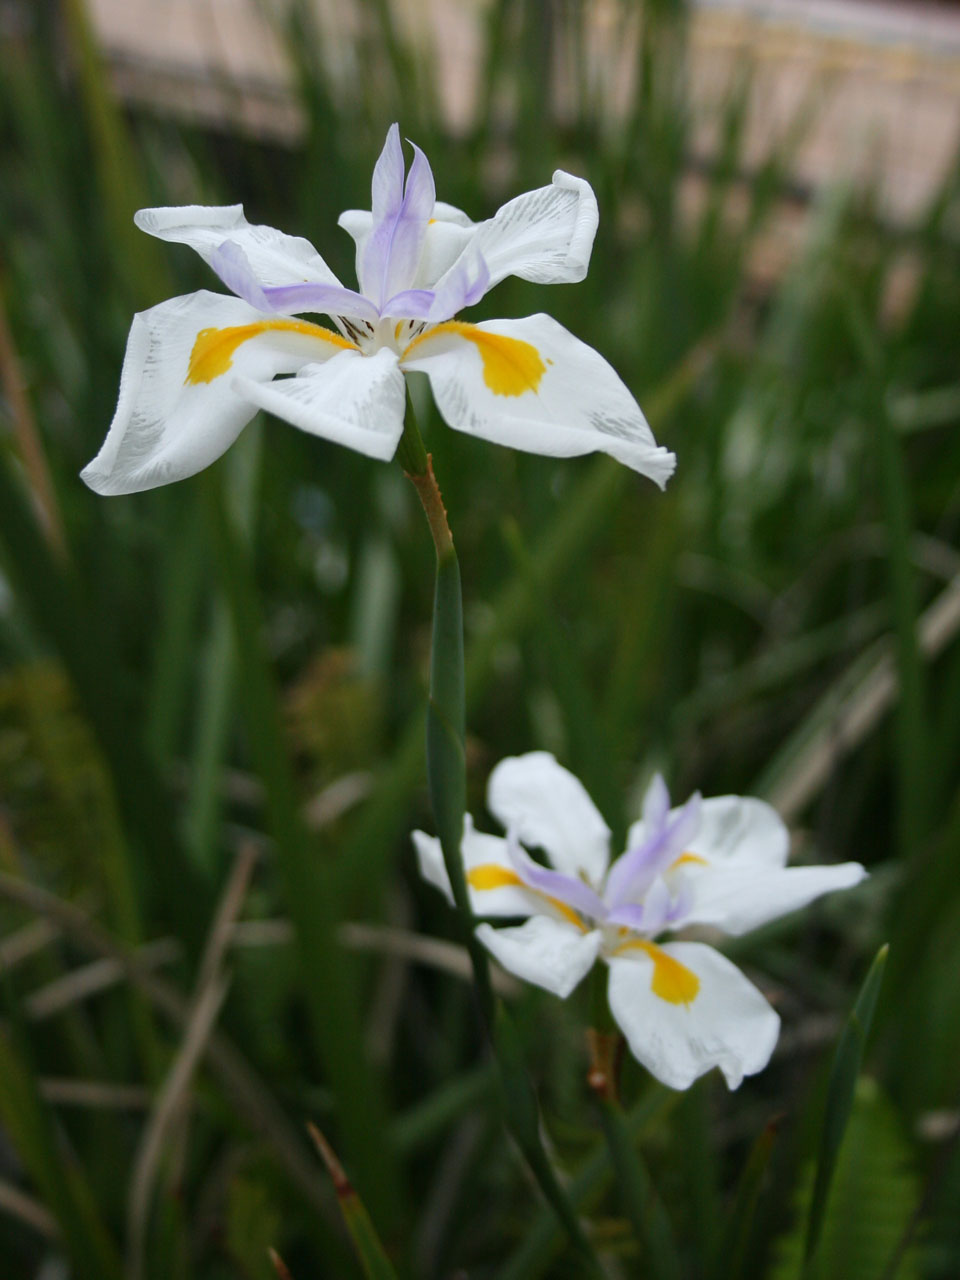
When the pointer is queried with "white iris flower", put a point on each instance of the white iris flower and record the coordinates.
(682, 1006)
(197, 368)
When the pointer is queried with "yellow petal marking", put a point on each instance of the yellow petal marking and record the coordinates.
(672, 981)
(487, 875)
(511, 367)
(213, 351)
(689, 860)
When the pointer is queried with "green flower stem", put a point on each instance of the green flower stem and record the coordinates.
(446, 779)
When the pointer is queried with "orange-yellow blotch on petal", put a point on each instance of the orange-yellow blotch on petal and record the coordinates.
(672, 981)
(511, 367)
(214, 349)
(689, 860)
(487, 875)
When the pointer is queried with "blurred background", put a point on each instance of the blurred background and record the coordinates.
(212, 695)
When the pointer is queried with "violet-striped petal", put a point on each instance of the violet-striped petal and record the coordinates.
(461, 287)
(401, 213)
(411, 304)
(567, 889)
(234, 268)
(635, 871)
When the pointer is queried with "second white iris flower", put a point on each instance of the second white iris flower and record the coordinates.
(682, 1006)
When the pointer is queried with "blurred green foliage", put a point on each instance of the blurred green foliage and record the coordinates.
(711, 632)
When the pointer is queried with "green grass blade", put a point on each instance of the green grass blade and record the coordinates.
(373, 1258)
(732, 1253)
(840, 1091)
(60, 1182)
(638, 1195)
(329, 983)
(54, 599)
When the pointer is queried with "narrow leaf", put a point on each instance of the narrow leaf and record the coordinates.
(373, 1257)
(840, 1091)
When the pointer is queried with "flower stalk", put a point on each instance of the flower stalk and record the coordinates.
(446, 779)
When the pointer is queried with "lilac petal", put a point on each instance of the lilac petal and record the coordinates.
(392, 252)
(635, 871)
(386, 188)
(462, 287)
(632, 915)
(292, 299)
(233, 267)
(656, 804)
(555, 884)
(411, 304)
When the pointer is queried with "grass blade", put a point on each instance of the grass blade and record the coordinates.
(843, 1080)
(373, 1258)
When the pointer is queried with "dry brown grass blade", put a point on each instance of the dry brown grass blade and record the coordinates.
(173, 1101)
(173, 1097)
(861, 709)
(24, 943)
(28, 437)
(279, 1266)
(249, 1095)
(449, 957)
(19, 1205)
(99, 1095)
(90, 979)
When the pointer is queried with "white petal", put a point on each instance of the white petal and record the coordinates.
(544, 235)
(728, 1024)
(548, 807)
(734, 829)
(738, 898)
(276, 258)
(479, 851)
(353, 400)
(168, 426)
(552, 954)
(532, 385)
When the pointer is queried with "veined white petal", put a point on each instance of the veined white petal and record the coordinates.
(548, 807)
(550, 953)
(178, 408)
(275, 258)
(738, 897)
(727, 1024)
(532, 385)
(733, 829)
(491, 879)
(352, 399)
(545, 235)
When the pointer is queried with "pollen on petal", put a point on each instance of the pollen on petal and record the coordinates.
(672, 981)
(214, 349)
(511, 367)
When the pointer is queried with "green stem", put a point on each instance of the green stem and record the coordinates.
(446, 778)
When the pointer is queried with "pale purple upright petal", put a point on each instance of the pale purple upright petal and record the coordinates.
(567, 889)
(411, 304)
(400, 217)
(665, 839)
(233, 267)
(461, 287)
